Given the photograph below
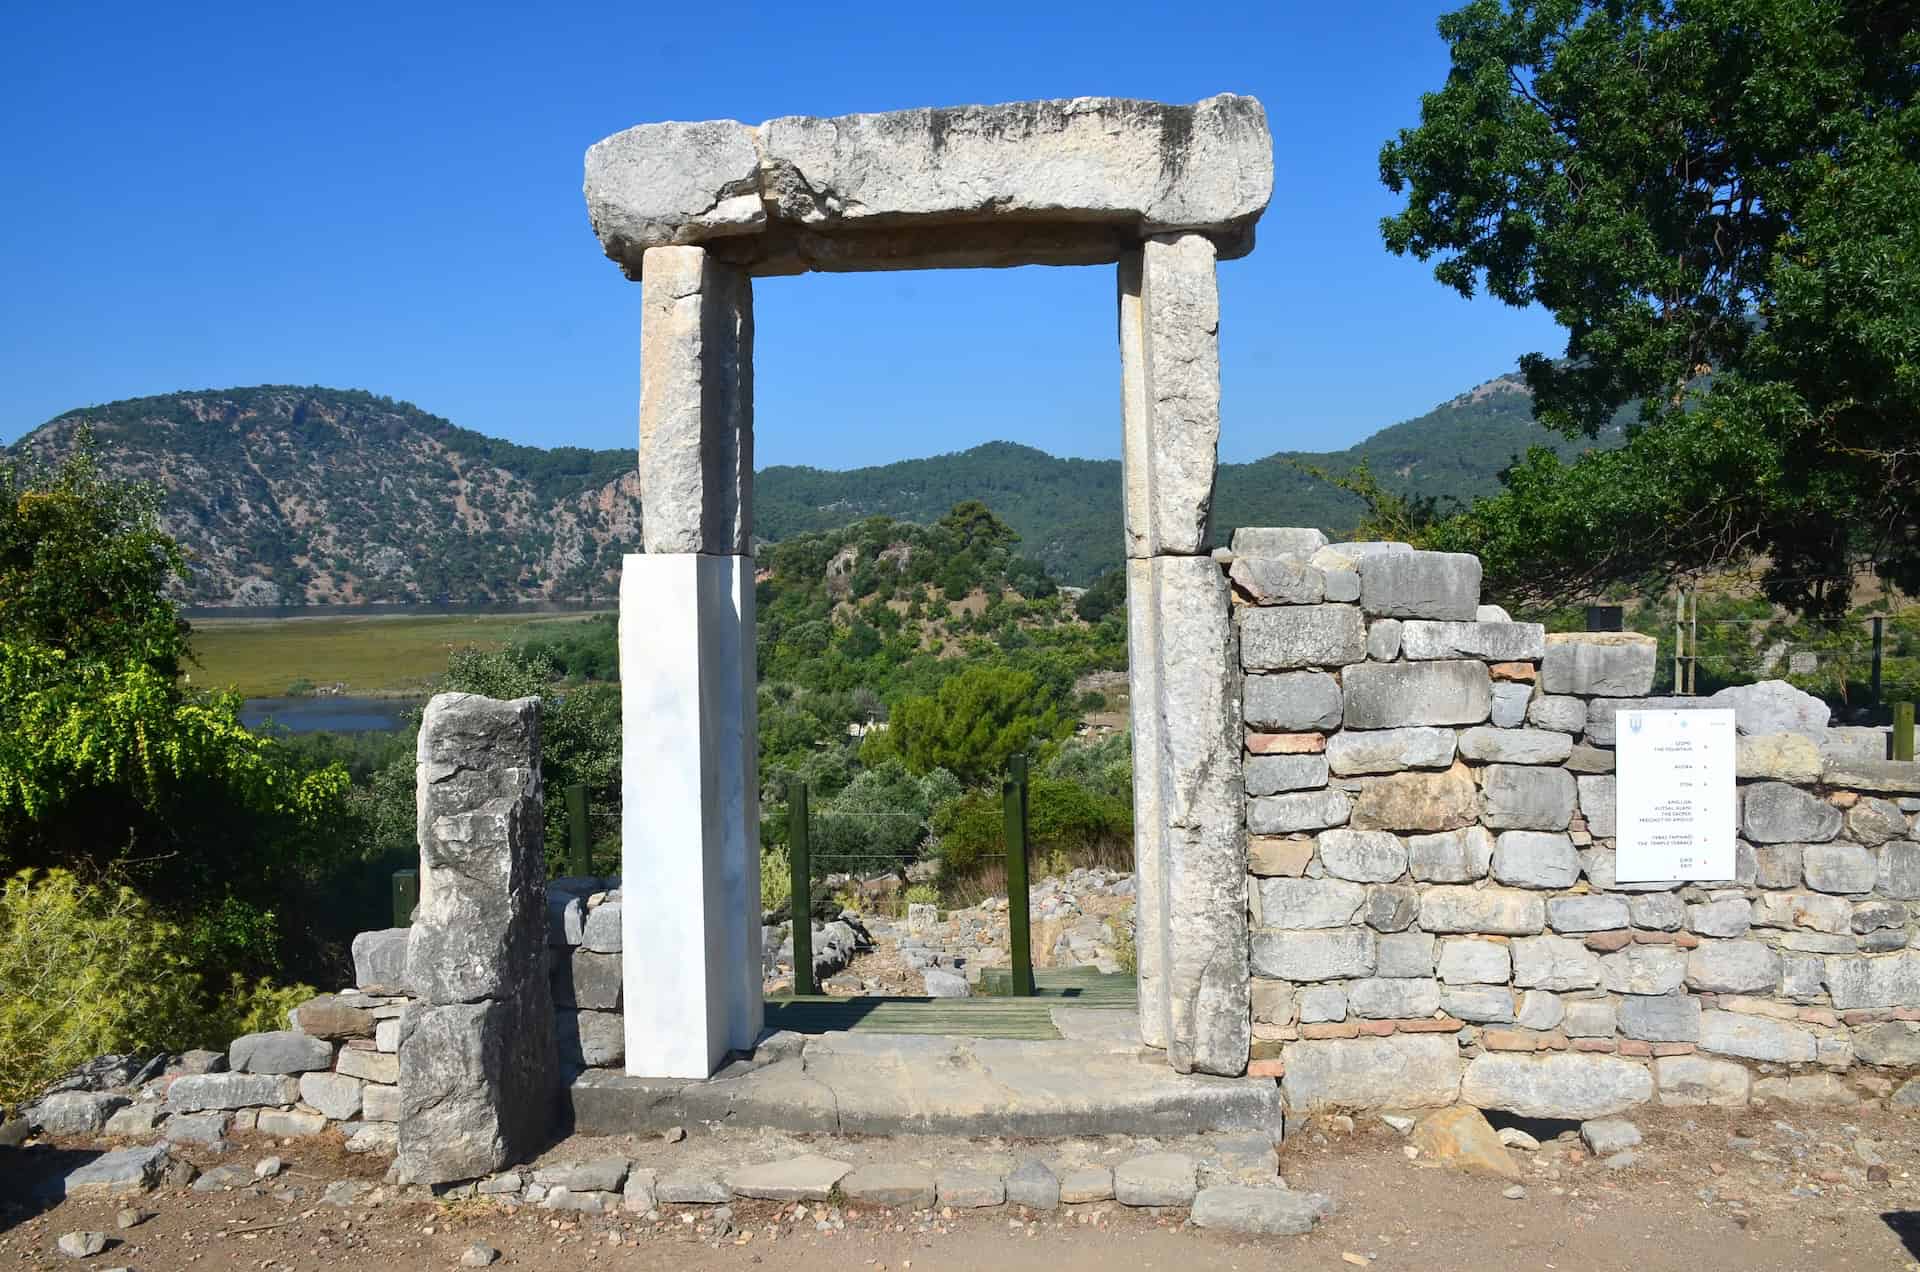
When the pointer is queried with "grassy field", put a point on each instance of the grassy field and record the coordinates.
(401, 654)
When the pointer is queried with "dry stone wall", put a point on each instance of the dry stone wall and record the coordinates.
(1434, 913)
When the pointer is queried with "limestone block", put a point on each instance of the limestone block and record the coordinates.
(1603, 664)
(1479, 1004)
(1699, 1080)
(1658, 912)
(1875, 916)
(601, 932)
(1644, 969)
(1269, 856)
(295, 1122)
(380, 959)
(1535, 859)
(1328, 954)
(673, 183)
(1391, 695)
(1437, 585)
(1726, 918)
(1452, 856)
(1310, 903)
(1366, 856)
(279, 1051)
(590, 1039)
(1540, 1009)
(1383, 639)
(1170, 404)
(1589, 1018)
(1585, 913)
(1273, 541)
(1601, 729)
(590, 980)
(1660, 1017)
(1033, 1185)
(333, 1017)
(1897, 1042)
(374, 1066)
(1257, 1211)
(1495, 911)
(1599, 802)
(1399, 1071)
(1802, 910)
(696, 404)
(197, 1092)
(478, 1083)
(1397, 998)
(1274, 1002)
(1846, 745)
(1891, 980)
(480, 928)
(380, 1103)
(1467, 961)
(1404, 954)
(808, 1177)
(120, 1172)
(1323, 1004)
(1281, 580)
(1555, 963)
(1291, 637)
(1350, 555)
(1344, 586)
(1293, 702)
(1521, 797)
(1839, 867)
(1897, 777)
(1358, 751)
(1874, 821)
(1779, 865)
(334, 1094)
(75, 1112)
(1392, 907)
(1773, 706)
(1418, 802)
(1300, 810)
(1775, 813)
(1780, 757)
(1733, 967)
(566, 920)
(1561, 1085)
(1755, 1038)
(1510, 699)
(1273, 774)
(1899, 871)
(1490, 642)
(1557, 712)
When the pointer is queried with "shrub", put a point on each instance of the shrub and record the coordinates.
(90, 969)
(776, 878)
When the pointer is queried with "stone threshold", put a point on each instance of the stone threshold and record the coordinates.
(889, 1084)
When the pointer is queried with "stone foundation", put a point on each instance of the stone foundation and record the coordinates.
(1430, 858)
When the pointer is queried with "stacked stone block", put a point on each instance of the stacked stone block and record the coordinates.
(584, 943)
(1430, 822)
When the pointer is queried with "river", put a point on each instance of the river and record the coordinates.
(328, 713)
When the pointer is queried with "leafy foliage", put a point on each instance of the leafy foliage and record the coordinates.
(1714, 198)
(973, 725)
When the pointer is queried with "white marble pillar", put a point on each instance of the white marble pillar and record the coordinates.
(690, 819)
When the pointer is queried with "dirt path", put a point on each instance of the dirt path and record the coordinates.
(1795, 1191)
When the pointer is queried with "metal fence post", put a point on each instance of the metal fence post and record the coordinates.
(801, 905)
(579, 842)
(406, 895)
(1903, 730)
(1879, 645)
(1019, 924)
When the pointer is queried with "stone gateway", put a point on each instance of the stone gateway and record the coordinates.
(694, 212)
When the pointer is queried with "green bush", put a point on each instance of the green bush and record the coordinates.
(776, 878)
(91, 969)
(1064, 819)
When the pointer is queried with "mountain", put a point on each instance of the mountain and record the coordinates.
(288, 495)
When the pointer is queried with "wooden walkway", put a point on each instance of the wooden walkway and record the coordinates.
(988, 1016)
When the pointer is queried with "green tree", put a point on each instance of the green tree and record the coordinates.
(971, 726)
(1108, 593)
(1715, 199)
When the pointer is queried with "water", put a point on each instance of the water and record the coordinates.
(327, 714)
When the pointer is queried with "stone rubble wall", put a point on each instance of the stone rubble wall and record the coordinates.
(1430, 857)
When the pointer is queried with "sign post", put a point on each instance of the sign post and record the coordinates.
(1675, 817)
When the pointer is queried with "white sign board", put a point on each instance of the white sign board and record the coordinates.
(1675, 810)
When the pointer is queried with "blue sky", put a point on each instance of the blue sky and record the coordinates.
(389, 198)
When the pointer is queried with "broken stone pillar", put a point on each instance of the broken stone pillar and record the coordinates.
(690, 837)
(479, 1070)
(1189, 851)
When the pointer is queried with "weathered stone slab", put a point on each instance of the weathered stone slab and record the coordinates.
(1265, 1212)
(1276, 774)
(1389, 750)
(1733, 967)
(1273, 541)
(1510, 700)
(589, 980)
(1511, 745)
(200, 1091)
(1726, 918)
(1773, 706)
(1283, 580)
(1383, 639)
(1566, 1085)
(594, 1039)
(1535, 859)
(1874, 821)
(1170, 400)
(1699, 1080)
(1490, 642)
(478, 1084)
(120, 1172)
(279, 1051)
(1288, 638)
(1418, 802)
(1434, 585)
(1898, 777)
(1461, 1137)
(1157, 1179)
(1496, 911)
(1899, 871)
(1365, 856)
(334, 1094)
(1586, 913)
(1401, 1071)
(1297, 811)
(1393, 998)
(1776, 813)
(809, 1177)
(380, 960)
(1780, 757)
(1452, 856)
(1660, 1017)
(1554, 963)
(1557, 712)
(1755, 1037)
(1479, 1004)
(1605, 664)
(1469, 961)
(1033, 1185)
(1522, 797)
(1327, 954)
(334, 1017)
(1392, 695)
(1293, 702)
(1599, 802)
(1839, 867)
(1897, 1042)
(1891, 980)
(1404, 954)
(75, 1112)
(1601, 712)
(1310, 903)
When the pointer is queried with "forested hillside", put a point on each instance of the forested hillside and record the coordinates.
(287, 495)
